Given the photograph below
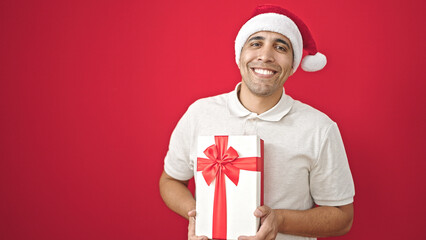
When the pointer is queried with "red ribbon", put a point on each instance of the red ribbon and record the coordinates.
(220, 162)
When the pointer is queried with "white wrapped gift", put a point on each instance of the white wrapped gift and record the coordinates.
(229, 185)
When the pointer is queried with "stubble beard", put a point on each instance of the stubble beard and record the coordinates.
(259, 90)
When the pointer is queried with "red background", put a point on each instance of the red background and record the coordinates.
(90, 92)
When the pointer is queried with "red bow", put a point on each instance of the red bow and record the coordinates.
(221, 162)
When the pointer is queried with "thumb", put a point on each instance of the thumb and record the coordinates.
(192, 213)
(262, 211)
(191, 225)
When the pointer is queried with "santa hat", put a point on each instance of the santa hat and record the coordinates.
(277, 19)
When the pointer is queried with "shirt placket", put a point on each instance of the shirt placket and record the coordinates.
(250, 124)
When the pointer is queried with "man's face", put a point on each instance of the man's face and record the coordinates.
(266, 62)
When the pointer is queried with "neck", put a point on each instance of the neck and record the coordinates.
(255, 103)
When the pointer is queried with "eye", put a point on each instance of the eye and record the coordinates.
(281, 48)
(255, 44)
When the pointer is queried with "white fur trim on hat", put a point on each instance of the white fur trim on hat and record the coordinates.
(275, 23)
(313, 63)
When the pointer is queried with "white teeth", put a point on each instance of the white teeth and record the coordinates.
(263, 71)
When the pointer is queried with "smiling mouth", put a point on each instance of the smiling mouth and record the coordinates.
(264, 73)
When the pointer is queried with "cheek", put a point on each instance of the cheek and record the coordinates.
(287, 63)
(247, 56)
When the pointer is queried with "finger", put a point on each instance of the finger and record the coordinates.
(268, 236)
(192, 213)
(262, 211)
(198, 238)
(191, 226)
(191, 231)
(264, 231)
(246, 238)
(261, 234)
(271, 235)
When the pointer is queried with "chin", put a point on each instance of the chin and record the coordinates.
(261, 91)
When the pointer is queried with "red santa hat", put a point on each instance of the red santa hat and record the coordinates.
(277, 19)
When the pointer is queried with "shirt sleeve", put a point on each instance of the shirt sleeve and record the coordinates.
(177, 160)
(331, 181)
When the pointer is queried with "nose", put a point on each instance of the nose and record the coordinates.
(266, 54)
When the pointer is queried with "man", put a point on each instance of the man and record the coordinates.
(305, 161)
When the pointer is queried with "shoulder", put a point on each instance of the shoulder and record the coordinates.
(208, 104)
(309, 116)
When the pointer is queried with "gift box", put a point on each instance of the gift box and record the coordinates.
(229, 186)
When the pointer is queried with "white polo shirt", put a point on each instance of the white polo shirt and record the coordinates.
(304, 158)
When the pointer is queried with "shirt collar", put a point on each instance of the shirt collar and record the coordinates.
(274, 114)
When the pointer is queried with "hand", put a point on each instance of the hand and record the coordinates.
(269, 223)
(191, 227)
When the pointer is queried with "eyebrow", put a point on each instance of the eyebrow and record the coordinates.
(256, 38)
(276, 40)
(283, 42)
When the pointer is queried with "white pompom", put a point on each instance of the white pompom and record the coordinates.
(313, 63)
